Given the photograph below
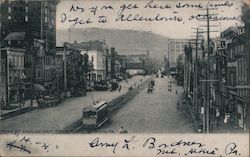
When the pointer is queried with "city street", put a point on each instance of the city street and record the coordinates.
(153, 113)
(56, 118)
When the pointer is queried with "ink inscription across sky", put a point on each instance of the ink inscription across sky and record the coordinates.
(81, 14)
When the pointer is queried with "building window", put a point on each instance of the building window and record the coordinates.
(46, 19)
(26, 1)
(9, 18)
(9, 42)
(19, 42)
(26, 19)
(26, 9)
(9, 9)
(39, 74)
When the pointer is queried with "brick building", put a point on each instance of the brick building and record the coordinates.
(33, 23)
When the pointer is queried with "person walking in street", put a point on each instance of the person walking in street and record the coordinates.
(178, 105)
(122, 130)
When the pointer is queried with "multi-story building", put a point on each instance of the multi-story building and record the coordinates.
(70, 71)
(136, 63)
(97, 52)
(175, 48)
(12, 75)
(244, 84)
(32, 22)
(231, 65)
(237, 86)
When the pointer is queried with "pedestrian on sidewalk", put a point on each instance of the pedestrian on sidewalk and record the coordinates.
(22, 99)
(176, 92)
(178, 105)
(2, 105)
(120, 87)
(217, 115)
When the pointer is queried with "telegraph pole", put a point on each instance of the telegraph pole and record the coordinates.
(206, 118)
(195, 69)
(208, 74)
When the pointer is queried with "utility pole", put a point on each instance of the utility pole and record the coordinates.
(195, 68)
(33, 78)
(208, 73)
(206, 118)
(65, 71)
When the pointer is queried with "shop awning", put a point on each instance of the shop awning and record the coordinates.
(39, 87)
(15, 36)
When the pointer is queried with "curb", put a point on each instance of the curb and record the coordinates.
(16, 112)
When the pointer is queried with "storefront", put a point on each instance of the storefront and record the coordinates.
(241, 112)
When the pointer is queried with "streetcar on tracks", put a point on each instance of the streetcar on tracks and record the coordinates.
(95, 116)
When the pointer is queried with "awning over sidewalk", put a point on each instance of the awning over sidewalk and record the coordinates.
(39, 87)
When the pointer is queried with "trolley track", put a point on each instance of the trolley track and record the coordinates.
(114, 106)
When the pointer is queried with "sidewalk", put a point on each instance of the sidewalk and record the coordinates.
(221, 128)
(17, 109)
(225, 127)
(195, 121)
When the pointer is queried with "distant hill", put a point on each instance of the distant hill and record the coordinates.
(125, 41)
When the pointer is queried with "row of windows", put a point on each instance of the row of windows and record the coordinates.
(21, 9)
(10, 42)
(49, 60)
(9, 1)
(17, 61)
(26, 19)
(241, 70)
(243, 92)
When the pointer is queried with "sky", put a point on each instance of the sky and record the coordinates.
(84, 11)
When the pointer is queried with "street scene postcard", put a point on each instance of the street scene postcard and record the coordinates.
(125, 78)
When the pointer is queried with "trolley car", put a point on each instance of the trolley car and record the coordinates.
(95, 116)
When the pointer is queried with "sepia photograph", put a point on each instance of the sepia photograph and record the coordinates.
(71, 68)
